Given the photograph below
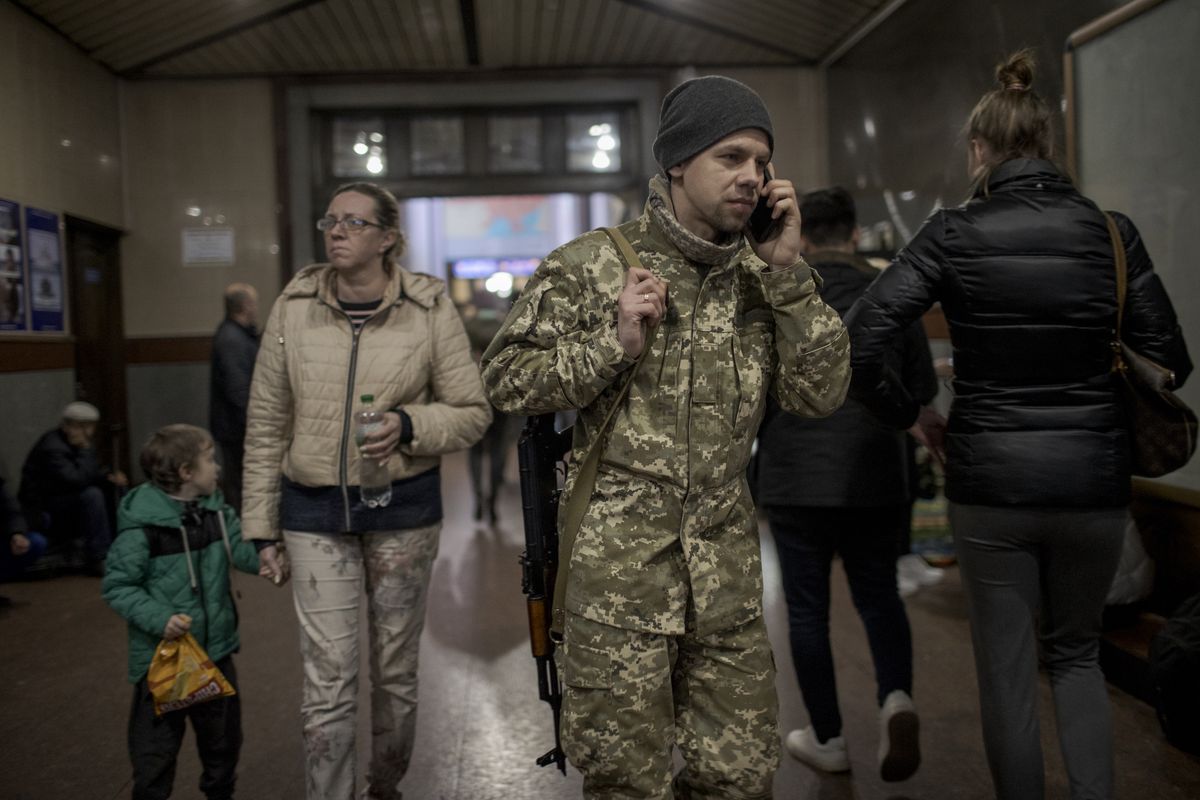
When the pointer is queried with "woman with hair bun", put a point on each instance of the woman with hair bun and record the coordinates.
(1036, 449)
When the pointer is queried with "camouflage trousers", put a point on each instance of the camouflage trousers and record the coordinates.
(629, 696)
(329, 572)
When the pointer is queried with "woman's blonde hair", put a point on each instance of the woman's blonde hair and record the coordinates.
(1012, 119)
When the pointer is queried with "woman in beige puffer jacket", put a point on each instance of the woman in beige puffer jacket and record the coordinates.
(359, 325)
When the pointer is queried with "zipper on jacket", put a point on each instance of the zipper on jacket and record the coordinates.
(343, 471)
(687, 478)
(203, 602)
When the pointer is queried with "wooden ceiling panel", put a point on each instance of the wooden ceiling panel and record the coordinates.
(317, 44)
(808, 28)
(279, 37)
(450, 35)
(276, 51)
(396, 30)
(358, 36)
(160, 29)
(79, 18)
(495, 30)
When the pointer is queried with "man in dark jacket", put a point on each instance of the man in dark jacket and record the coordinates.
(65, 491)
(234, 348)
(852, 499)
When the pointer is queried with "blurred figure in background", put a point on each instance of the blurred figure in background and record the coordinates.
(66, 493)
(234, 347)
(1037, 453)
(852, 501)
(20, 548)
(482, 324)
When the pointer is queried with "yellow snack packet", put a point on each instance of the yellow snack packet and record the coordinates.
(181, 675)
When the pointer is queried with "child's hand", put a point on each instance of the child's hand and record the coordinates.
(177, 626)
(273, 565)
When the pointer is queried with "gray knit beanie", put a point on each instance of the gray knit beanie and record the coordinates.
(698, 113)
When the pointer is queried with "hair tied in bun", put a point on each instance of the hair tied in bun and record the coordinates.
(1017, 86)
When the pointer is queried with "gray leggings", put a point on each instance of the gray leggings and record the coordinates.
(1056, 563)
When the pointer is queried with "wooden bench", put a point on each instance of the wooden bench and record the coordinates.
(1168, 518)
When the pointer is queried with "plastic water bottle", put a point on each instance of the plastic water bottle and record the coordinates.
(374, 485)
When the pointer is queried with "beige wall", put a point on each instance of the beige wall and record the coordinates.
(206, 145)
(51, 93)
(796, 99)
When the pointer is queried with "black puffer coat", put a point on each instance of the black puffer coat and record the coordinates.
(1026, 278)
(850, 458)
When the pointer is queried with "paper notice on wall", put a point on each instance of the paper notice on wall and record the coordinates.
(207, 247)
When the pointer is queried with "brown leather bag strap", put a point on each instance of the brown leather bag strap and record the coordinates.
(1118, 249)
(585, 478)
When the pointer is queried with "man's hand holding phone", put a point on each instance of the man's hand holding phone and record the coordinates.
(774, 227)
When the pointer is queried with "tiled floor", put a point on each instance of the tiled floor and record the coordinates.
(63, 700)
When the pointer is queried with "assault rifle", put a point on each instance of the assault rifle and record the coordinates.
(542, 453)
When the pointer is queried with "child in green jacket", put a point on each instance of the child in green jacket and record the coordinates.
(167, 574)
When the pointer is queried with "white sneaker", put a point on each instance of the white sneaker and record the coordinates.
(831, 756)
(899, 740)
(906, 586)
(917, 569)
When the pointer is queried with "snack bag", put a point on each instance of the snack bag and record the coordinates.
(181, 675)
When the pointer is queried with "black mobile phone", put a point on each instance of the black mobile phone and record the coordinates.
(762, 227)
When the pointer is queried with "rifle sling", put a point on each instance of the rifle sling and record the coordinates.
(585, 479)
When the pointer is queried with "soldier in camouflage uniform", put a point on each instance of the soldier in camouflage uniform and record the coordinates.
(665, 642)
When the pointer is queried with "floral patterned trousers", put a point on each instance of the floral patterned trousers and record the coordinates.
(329, 572)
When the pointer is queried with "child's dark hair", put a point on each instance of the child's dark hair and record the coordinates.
(827, 216)
(169, 448)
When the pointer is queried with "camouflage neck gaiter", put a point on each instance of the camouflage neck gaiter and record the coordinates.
(700, 251)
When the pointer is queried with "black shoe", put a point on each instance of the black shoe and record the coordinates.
(93, 569)
(5, 602)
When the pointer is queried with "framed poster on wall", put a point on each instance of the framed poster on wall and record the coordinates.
(12, 269)
(47, 290)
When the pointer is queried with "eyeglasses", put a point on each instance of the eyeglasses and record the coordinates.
(349, 224)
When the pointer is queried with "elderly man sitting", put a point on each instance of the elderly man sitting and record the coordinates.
(64, 489)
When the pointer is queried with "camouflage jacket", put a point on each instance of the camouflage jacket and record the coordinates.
(669, 540)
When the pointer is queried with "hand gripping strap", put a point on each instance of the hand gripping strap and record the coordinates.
(585, 479)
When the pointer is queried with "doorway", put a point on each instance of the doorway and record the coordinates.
(97, 323)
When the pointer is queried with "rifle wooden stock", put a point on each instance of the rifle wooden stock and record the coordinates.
(539, 627)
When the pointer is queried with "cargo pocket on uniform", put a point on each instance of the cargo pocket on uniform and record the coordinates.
(588, 708)
(586, 667)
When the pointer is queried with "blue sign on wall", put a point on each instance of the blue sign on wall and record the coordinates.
(12, 269)
(47, 288)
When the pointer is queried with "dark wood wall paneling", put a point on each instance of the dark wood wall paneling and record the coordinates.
(21, 354)
(24, 354)
(168, 350)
